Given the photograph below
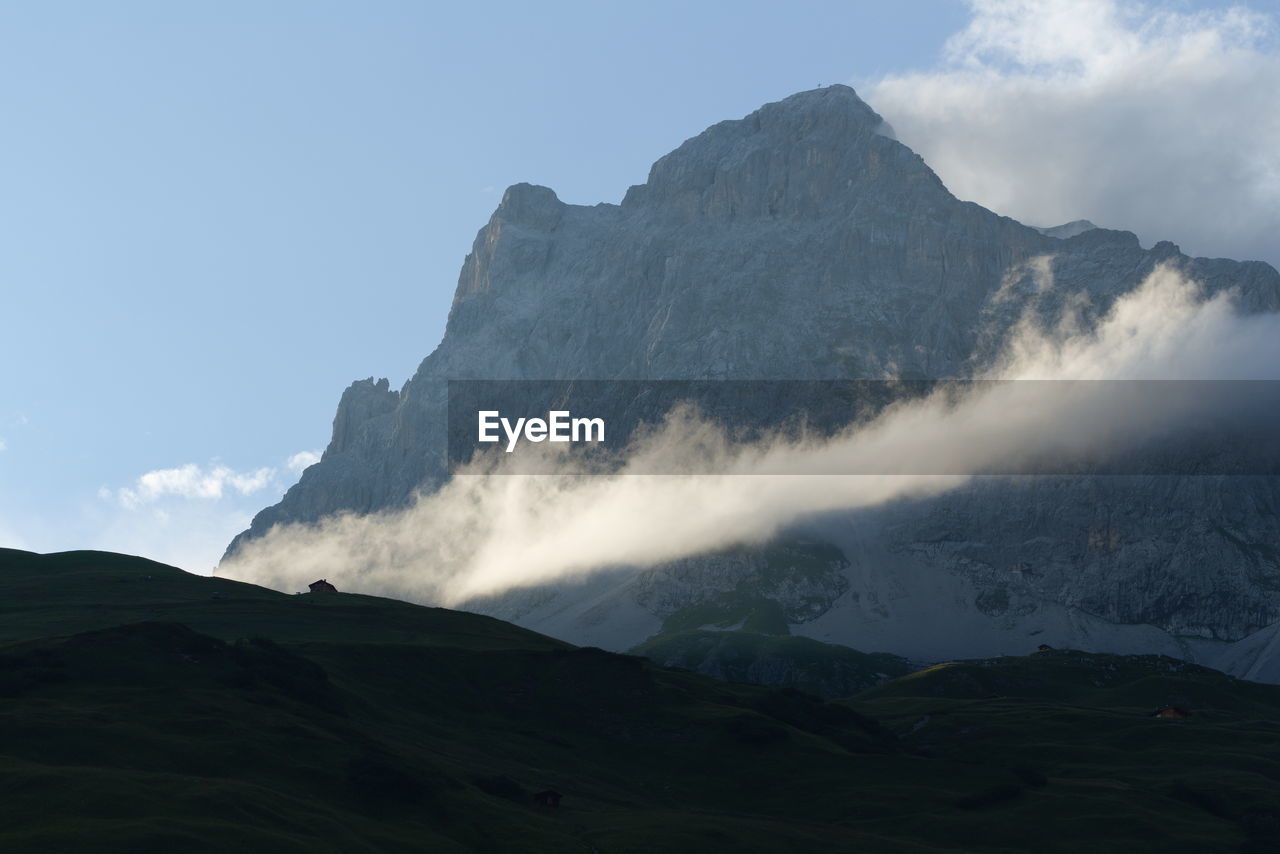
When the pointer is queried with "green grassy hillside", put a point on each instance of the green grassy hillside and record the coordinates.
(827, 670)
(1077, 726)
(44, 595)
(143, 709)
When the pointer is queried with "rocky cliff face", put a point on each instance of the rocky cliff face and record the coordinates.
(803, 242)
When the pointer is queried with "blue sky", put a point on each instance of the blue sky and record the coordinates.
(214, 216)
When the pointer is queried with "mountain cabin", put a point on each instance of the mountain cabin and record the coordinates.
(322, 586)
(549, 798)
(1171, 712)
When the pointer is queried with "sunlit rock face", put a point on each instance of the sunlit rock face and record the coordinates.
(804, 242)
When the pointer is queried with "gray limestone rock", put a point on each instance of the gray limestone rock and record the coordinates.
(804, 242)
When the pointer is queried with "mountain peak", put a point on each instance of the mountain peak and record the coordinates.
(1067, 229)
(531, 205)
(790, 157)
(825, 99)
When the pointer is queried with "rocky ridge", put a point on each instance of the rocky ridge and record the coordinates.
(804, 242)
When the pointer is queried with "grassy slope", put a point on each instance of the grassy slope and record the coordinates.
(1074, 728)
(372, 725)
(58, 594)
(825, 669)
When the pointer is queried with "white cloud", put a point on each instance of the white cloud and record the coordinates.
(183, 516)
(299, 461)
(192, 481)
(1135, 116)
(480, 535)
(3, 446)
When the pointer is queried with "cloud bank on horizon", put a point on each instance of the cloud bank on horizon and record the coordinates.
(482, 535)
(182, 515)
(1132, 115)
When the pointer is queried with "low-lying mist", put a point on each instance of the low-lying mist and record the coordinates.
(482, 534)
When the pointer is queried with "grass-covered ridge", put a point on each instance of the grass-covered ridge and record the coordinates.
(827, 670)
(143, 709)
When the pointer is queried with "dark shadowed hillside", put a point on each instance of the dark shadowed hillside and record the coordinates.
(143, 709)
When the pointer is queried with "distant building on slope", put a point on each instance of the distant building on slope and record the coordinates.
(1171, 712)
(322, 586)
(549, 798)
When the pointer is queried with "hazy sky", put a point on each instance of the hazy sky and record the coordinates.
(214, 216)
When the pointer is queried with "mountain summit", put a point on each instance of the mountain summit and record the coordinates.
(804, 242)
(795, 158)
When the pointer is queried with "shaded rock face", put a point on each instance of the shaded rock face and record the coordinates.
(1194, 556)
(803, 242)
(1068, 229)
(804, 579)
